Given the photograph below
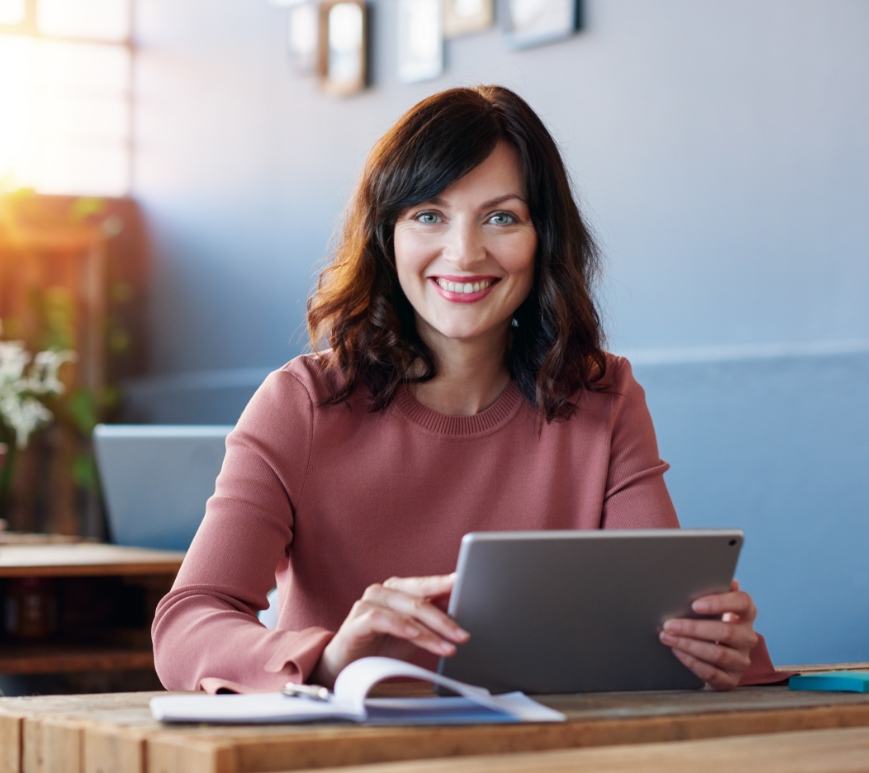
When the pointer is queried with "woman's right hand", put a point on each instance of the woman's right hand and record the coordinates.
(391, 619)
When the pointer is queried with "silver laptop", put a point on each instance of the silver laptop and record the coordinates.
(580, 611)
(156, 480)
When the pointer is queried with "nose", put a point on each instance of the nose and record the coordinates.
(464, 247)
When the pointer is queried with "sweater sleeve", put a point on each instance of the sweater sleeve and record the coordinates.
(636, 496)
(206, 634)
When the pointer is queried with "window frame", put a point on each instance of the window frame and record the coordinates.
(28, 27)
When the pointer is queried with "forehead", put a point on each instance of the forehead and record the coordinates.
(500, 173)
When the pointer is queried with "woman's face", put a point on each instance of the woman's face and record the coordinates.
(465, 259)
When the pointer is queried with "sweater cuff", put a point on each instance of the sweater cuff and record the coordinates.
(292, 662)
(298, 661)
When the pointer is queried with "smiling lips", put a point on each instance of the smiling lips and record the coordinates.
(464, 289)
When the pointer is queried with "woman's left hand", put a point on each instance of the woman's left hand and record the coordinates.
(716, 650)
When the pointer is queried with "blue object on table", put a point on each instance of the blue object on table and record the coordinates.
(831, 681)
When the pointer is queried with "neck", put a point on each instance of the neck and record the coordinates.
(470, 377)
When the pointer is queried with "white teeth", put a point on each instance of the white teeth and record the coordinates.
(463, 287)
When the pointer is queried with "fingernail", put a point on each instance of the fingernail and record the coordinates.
(700, 606)
(673, 626)
(461, 633)
(446, 648)
(666, 638)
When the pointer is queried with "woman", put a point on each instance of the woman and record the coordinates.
(465, 389)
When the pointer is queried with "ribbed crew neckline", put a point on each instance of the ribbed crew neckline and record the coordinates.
(496, 415)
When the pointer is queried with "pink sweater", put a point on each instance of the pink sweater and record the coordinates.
(327, 500)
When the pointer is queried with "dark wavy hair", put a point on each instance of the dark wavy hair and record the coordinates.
(555, 346)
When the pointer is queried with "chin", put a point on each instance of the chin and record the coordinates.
(463, 332)
(456, 335)
(455, 328)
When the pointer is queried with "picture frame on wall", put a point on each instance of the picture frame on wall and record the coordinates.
(465, 17)
(530, 23)
(420, 40)
(303, 36)
(343, 46)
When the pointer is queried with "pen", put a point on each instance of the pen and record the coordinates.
(313, 691)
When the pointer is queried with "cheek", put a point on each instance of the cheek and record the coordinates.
(520, 260)
(525, 268)
(399, 245)
(409, 256)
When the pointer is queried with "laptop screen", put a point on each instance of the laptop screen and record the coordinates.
(156, 480)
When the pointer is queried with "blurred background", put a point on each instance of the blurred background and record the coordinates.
(173, 174)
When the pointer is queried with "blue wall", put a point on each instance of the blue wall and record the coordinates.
(721, 154)
(778, 445)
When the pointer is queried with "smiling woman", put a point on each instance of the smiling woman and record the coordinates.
(464, 388)
(467, 263)
(471, 182)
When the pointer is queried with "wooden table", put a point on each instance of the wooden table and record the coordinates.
(115, 733)
(103, 598)
(809, 751)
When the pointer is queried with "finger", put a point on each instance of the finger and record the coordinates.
(718, 655)
(719, 603)
(714, 677)
(428, 614)
(434, 585)
(418, 608)
(734, 584)
(368, 620)
(736, 635)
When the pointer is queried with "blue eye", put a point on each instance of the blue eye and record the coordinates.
(427, 218)
(502, 218)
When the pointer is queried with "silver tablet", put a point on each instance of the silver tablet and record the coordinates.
(580, 611)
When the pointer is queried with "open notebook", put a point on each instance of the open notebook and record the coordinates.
(350, 701)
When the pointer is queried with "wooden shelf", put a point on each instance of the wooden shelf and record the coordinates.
(95, 601)
(58, 238)
(26, 658)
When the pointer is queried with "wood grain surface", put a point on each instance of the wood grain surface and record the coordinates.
(103, 733)
(84, 558)
(25, 744)
(811, 751)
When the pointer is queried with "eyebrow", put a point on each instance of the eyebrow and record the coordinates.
(486, 204)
